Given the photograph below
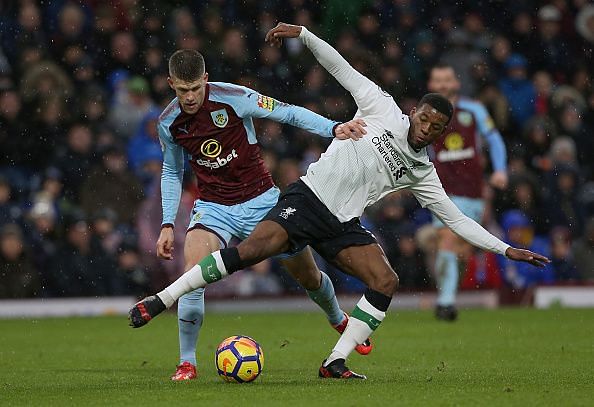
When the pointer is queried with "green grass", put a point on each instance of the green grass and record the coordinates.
(505, 357)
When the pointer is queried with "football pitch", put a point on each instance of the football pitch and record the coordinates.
(504, 357)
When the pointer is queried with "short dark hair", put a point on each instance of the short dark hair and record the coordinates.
(443, 65)
(187, 65)
(439, 103)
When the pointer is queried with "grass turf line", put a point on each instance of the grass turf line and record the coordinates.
(510, 357)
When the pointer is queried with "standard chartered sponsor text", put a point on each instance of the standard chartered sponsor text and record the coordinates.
(390, 155)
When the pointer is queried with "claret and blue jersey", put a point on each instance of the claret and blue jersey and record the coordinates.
(220, 141)
(457, 154)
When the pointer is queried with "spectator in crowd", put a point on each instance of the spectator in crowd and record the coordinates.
(519, 231)
(75, 271)
(562, 204)
(144, 146)
(571, 123)
(543, 85)
(44, 237)
(130, 107)
(131, 277)
(412, 273)
(104, 235)
(561, 255)
(583, 252)
(75, 159)
(11, 124)
(18, 277)
(9, 210)
(550, 51)
(584, 24)
(518, 89)
(111, 186)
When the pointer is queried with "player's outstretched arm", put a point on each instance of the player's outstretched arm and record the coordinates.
(171, 188)
(364, 91)
(476, 235)
(250, 103)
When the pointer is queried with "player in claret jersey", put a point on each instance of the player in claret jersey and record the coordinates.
(322, 209)
(458, 160)
(212, 123)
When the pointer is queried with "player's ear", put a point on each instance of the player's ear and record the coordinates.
(170, 82)
(205, 77)
(413, 111)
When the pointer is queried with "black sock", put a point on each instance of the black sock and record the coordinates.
(231, 259)
(377, 299)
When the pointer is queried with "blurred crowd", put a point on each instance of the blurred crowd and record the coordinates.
(82, 84)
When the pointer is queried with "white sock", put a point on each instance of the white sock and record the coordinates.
(363, 321)
(209, 270)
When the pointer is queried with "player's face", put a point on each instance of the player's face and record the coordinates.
(426, 125)
(189, 94)
(444, 82)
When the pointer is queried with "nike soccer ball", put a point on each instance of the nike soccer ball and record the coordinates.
(239, 359)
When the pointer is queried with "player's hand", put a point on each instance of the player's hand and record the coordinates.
(498, 180)
(282, 30)
(526, 256)
(354, 129)
(165, 244)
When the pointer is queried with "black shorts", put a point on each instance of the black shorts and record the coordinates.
(309, 222)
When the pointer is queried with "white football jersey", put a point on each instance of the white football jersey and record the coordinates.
(353, 174)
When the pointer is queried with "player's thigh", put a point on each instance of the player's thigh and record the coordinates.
(303, 268)
(255, 210)
(267, 239)
(199, 244)
(369, 264)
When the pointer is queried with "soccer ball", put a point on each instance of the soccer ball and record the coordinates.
(239, 359)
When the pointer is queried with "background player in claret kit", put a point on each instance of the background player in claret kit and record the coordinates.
(212, 122)
(323, 208)
(458, 159)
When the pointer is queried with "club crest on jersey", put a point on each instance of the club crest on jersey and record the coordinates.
(464, 118)
(266, 102)
(286, 212)
(197, 216)
(220, 118)
(454, 141)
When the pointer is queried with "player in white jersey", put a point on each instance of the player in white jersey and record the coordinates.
(323, 208)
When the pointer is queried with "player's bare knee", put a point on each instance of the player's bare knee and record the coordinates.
(385, 283)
